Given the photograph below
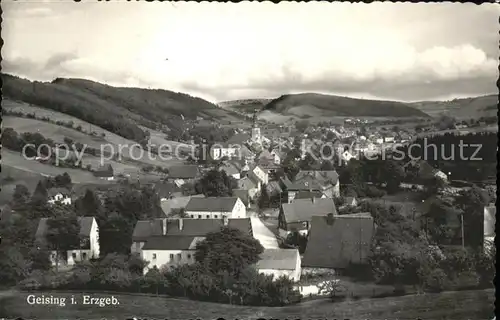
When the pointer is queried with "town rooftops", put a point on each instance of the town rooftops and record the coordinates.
(85, 226)
(183, 172)
(304, 209)
(323, 177)
(177, 203)
(336, 242)
(278, 259)
(212, 204)
(145, 229)
(166, 189)
(305, 194)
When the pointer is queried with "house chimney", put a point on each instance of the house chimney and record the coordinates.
(225, 220)
(181, 224)
(164, 226)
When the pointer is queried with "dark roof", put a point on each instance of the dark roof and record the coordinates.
(85, 226)
(177, 203)
(171, 243)
(183, 172)
(308, 194)
(239, 138)
(323, 177)
(223, 204)
(104, 171)
(274, 188)
(52, 192)
(305, 209)
(347, 239)
(146, 229)
(247, 183)
(278, 259)
(166, 189)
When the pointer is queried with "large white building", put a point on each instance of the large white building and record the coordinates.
(167, 243)
(88, 247)
(215, 208)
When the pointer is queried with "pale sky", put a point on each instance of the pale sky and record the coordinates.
(225, 51)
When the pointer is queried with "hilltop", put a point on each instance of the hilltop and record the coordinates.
(315, 107)
(247, 106)
(117, 109)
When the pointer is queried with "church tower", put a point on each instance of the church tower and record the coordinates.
(256, 137)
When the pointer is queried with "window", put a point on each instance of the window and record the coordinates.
(189, 256)
(216, 216)
(154, 256)
(304, 224)
(179, 257)
(192, 216)
(199, 216)
(74, 255)
(84, 255)
(171, 256)
(208, 217)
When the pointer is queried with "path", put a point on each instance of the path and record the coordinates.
(262, 233)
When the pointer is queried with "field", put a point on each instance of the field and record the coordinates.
(464, 305)
(129, 149)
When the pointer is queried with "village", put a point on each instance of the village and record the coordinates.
(315, 230)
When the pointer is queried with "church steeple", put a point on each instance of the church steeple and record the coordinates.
(256, 138)
(254, 119)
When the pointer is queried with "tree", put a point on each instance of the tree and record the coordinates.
(40, 193)
(89, 204)
(472, 203)
(264, 199)
(115, 234)
(331, 288)
(393, 174)
(216, 183)
(63, 234)
(228, 250)
(63, 180)
(21, 197)
(301, 126)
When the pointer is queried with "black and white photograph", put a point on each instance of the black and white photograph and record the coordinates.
(249, 160)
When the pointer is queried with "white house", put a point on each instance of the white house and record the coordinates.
(61, 195)
(347, 156)
(221, 150)
(88, 247)
(280, 262)
(441, 175)
(490, 212)
(258, 174)
(167, 243)
(215, 208)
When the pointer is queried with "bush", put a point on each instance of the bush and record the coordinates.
(436, 280)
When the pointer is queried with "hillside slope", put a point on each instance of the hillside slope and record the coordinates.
(246, 106)
(311, 105)
(484, 106)
(119, 110)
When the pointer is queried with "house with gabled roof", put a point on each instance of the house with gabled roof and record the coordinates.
(105, 172)
(279, 263)
(165, 190)
(175, 205)
(172, 242)
(59, 195)
(315, 180)
(336, 242)
(87, 249)
(215, 208)
(183, 173)
(298, 214)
